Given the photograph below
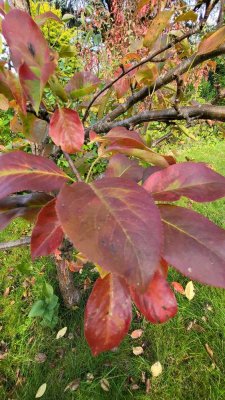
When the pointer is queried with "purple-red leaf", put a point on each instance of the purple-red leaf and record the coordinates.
(66, 130)
(194, 245)
(193, 180)
(149, 171)
(47, 234)
(108, 314)
(26, 206)
(121, 166)
(20, 171)
(116, 224)
(158, 303)
(29, 48)
(42, 18)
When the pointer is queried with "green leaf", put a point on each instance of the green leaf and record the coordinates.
(37, 309)
(52, 302)
(47, 290)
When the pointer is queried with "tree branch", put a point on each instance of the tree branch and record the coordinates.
(150, 57)
(187, 64)
(15, 243)
(200, 111)
(72, 166)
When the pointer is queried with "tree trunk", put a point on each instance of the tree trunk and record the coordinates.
(70, 294)
(22, 5)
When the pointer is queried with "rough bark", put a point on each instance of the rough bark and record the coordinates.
(70, 294)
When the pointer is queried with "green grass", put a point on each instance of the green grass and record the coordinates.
(188, 371)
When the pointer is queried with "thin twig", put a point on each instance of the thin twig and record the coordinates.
(72, 166)
(103, 124)
(150, 57)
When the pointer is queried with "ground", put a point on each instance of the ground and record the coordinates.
(189, 371)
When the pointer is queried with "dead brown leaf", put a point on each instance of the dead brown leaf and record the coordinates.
(105, 384)
(6, 292)
(209, 350)
(148, 386)
(74, 385)
(40, 358)
(195, 327)
(87, 284)
(137, 350)
(134, 386)
(137, 334)
(143, 376)
(156, 369)
(90, 377)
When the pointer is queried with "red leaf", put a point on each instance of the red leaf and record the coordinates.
(111, 221)
(178, 287)
(108, 314)
(21, 171)
(193, 180)
(66, 130)
(47, 234)
(28, 47)
(158, 303)
(194, 245)
(121, 166)
(123, 84)
(121, 140)
(26, 206)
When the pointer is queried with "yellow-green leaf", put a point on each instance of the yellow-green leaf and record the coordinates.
(157, 26)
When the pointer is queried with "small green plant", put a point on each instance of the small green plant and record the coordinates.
(46, 307)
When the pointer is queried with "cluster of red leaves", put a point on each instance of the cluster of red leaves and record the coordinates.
(128, 229)
(116, 223)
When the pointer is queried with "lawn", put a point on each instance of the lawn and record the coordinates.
(189, 371)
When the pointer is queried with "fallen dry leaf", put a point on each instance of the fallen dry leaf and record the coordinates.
(189, 291)
(208, 307)
(138, 350)
(178, 287)
(6, 292)
(87, 284)
(143, 376)
(71, 336)
(90, 377)
(148, 386)
(105, 384)
(195, 327)
(209, 350)
(134, 386)
(40, 357)
(41, 391)
(74, 385)
(136, 334)
(3, 355)
(61, 333)
(156, 369)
